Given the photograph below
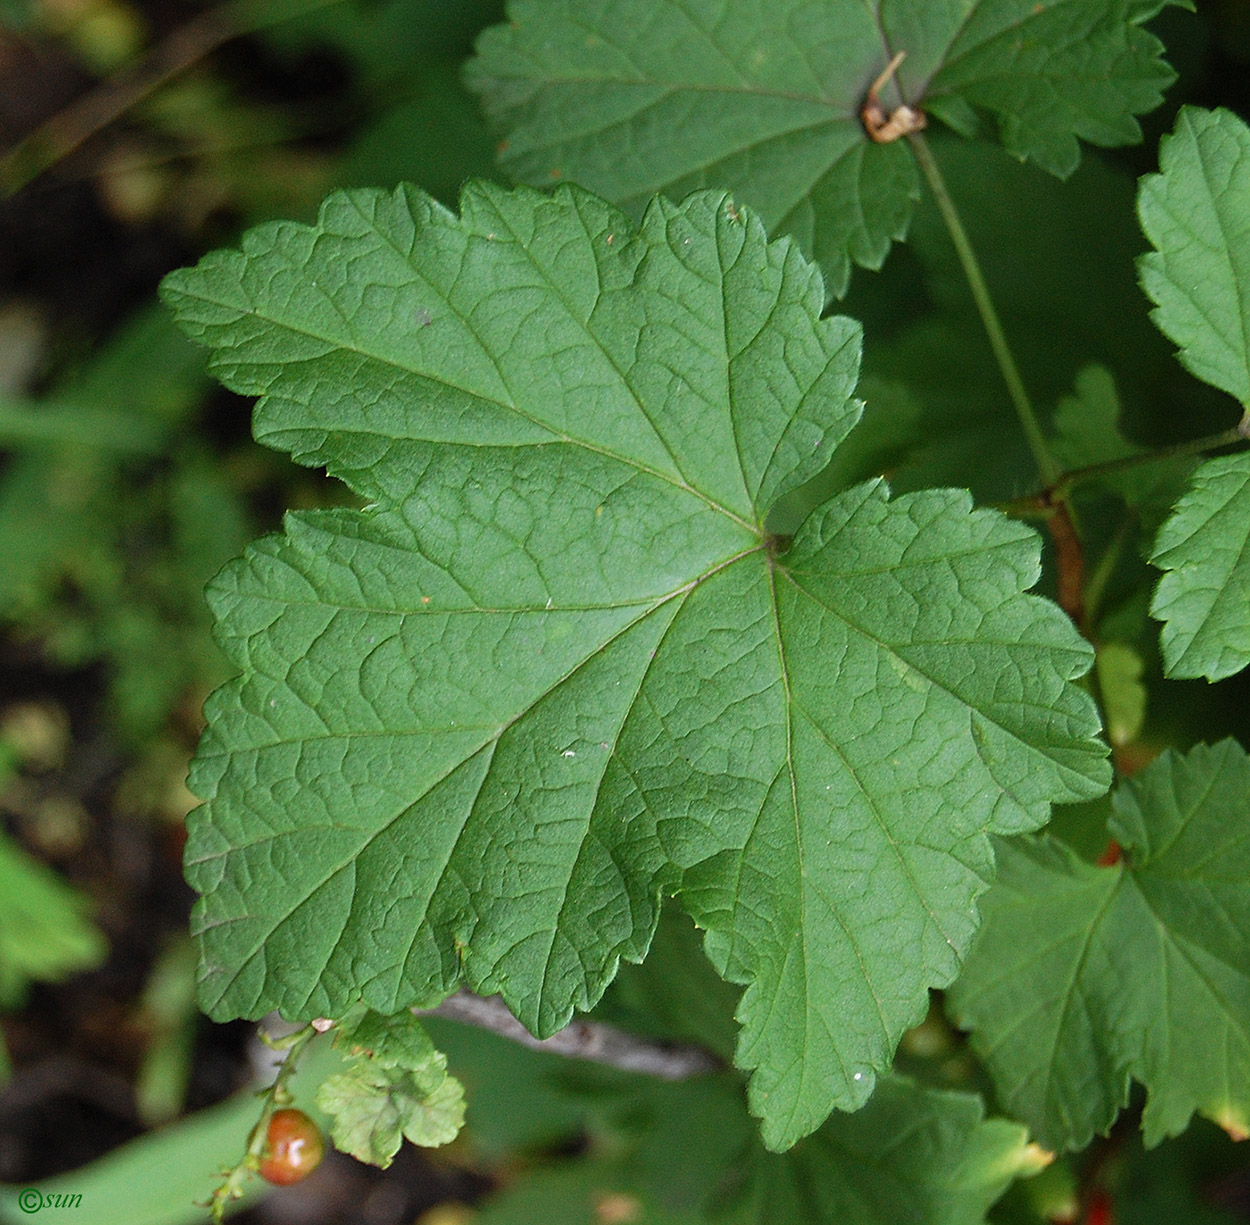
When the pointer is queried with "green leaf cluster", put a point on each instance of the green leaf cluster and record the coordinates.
(112, 518)
(1196, 213)
(634, 97)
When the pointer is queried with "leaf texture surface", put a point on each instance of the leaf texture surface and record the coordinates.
(1203, 598)
(558, 667)
(633, 97)
(1196, 212)
(1085, 977)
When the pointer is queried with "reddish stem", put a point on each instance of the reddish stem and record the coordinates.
(1069, 562)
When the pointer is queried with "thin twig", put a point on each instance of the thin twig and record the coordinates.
(595, 1041)
(277, 1094)
(65, 131)
(1069, 563)
(1195, 446)
(1096, 583)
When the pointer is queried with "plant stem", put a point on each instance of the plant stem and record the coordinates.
(1096, 586)
(1037, 505)
(590, 1040)
(1195, 446)
(1069, 563)
(1046, 463)
(231, 1186)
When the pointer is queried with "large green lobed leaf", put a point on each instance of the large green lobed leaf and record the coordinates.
(1196, 213)
(558, 667)
(631, 97)
(1085, 977)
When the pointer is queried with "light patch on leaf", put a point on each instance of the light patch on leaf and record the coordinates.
(1123, 694)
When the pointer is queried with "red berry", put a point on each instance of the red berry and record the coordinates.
(293, 1148)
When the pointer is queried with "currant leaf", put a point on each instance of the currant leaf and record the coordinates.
(394, 1086)
(559, 667)
(376, 1108)
(397, 1041)
(633, 97)
(1084, 977)
(1196, 213)
(1203, 598)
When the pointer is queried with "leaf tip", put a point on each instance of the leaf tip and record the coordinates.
(1233, 1119)
(1031, 1159)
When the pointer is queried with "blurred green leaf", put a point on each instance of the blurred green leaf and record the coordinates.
(45, 934)
(1123, 694)
(169, 1015)
(166, 1176)
(686, 1154)
(1087, 432)
(112, 519)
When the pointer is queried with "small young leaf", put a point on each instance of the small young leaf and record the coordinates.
(1083, 977)
(633, 97)
(376, 1108)
(558, 667)
(1196, 212)
(1203, 598)
(396, 1041)
(395, 1085)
